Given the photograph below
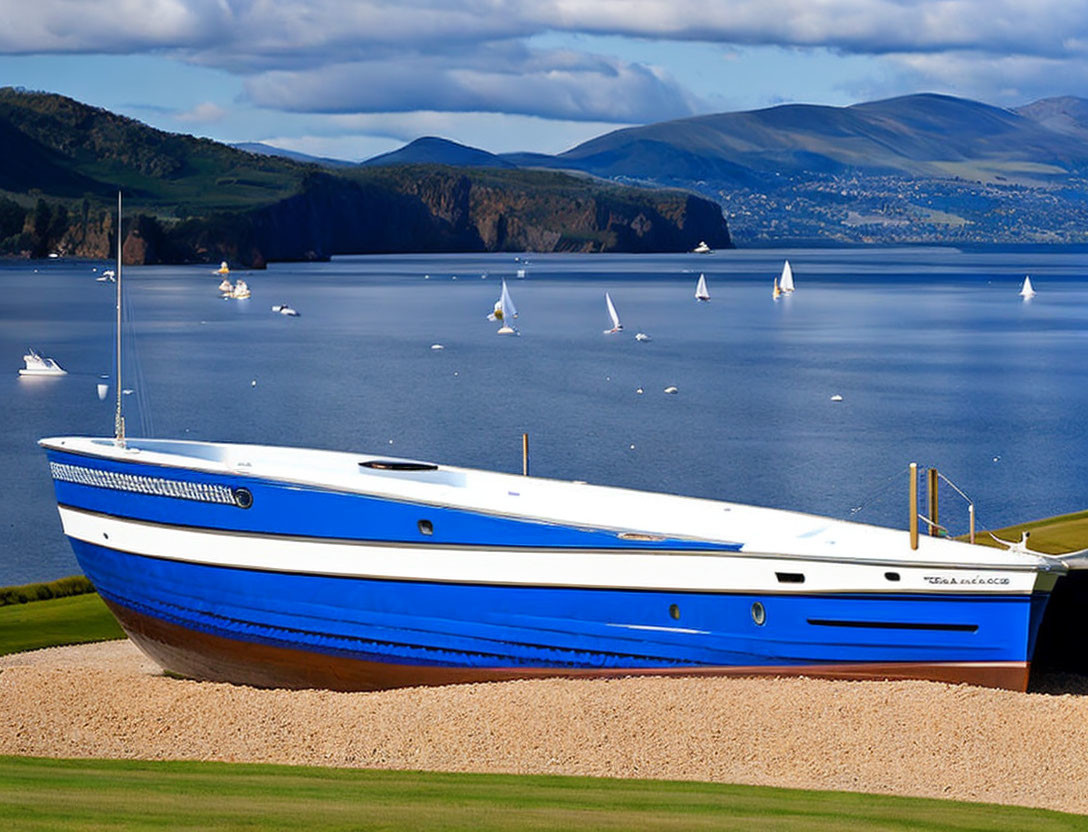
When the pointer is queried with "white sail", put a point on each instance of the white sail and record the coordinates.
(509, 311)
(1027, 290)
(616, 325)
(701, 292)
(785, 283)
(505, 311)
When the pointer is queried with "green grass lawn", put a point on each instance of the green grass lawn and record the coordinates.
(96, 794)
(73, 620)
(1052, 535)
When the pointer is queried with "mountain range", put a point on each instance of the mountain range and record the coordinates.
(196, 200)
(915, 168)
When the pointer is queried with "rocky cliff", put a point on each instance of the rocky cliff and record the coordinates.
(406, 209)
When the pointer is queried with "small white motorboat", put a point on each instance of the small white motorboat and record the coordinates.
(108, 276)
(289, 311)
(671, 389)
(702, 248)
(642, 336)
(37, 365)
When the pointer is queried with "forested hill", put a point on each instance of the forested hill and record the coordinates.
(196, 200)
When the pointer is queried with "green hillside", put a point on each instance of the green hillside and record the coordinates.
(196, 200)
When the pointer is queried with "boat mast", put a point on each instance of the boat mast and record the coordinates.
(118, 419)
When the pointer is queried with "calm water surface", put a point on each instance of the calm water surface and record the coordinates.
(937, 359)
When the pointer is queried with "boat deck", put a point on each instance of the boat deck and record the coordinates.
(755, 529)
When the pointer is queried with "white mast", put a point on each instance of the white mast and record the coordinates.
(118, 419)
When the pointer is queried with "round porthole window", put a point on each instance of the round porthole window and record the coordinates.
(759, 615)
(425, 527)
(243, 497)
(674, 612)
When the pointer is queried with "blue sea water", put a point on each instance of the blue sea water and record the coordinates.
(936, 357)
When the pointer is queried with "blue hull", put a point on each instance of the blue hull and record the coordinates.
(488, 627)
(289, 627)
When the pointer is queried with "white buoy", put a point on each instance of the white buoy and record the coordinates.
(672, 390)
(253, 383)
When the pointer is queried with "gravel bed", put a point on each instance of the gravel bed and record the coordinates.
(910, 738)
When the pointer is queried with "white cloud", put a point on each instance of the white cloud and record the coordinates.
(558, 85)
(471, 55)
(204, 113)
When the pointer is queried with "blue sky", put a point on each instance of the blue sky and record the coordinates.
(353, 78)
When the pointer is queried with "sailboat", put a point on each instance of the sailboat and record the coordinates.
(701, 292)
(223, 268)
(777, 293)
(785, 283)
(226, 286)
(616, 325)
(1027, 290)
(504, 311)
(241, 290)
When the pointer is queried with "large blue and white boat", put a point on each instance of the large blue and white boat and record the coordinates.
(288, 567)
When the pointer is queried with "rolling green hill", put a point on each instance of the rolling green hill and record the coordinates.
(195, 200)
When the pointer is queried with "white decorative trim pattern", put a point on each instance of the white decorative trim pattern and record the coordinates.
(203, 492)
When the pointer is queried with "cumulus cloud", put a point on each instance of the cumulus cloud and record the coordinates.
(559, 85)
(340, 56)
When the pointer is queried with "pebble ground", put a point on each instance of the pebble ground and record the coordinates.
(909, 738)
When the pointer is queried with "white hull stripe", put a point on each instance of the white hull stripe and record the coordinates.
(633, 570)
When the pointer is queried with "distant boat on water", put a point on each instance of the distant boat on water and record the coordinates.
(702, 248)
(616, 325)
(223, 268)
(226, 286)
(785, 282)
(701, 292)
(1027, 290)
(37, 365)
(777, 293)
(108, 276)
(642, 336)
(241, 291)
(505, 312)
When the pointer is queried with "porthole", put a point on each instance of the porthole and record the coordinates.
(674, 612)
(759, 615)
(243, 497)
(425, 527)
(892, 576)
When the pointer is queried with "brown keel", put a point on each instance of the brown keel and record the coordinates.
(212, 658)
